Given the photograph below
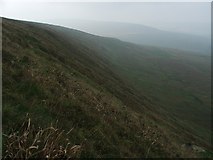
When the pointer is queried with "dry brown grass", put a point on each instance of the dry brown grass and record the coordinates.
(30, 142)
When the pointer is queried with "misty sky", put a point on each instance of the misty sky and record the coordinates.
(194, 18)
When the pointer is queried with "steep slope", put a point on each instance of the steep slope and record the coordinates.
(55, 73)
(176, 80)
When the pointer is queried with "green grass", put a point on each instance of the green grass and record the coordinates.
(175, 80)
(88, 83)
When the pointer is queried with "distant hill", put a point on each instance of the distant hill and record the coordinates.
(141, 34)
(121, 99)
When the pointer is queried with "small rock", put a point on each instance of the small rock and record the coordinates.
(198, 149)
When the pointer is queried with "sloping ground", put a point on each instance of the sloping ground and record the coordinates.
(175, 80)
(53, 76)
(178, 82)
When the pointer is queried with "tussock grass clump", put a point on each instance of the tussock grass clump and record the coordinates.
(31, 142)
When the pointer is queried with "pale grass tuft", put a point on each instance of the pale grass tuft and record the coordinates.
(50, 142)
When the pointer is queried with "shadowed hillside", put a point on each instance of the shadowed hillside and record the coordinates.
(87, 83)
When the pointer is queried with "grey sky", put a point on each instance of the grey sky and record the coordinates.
(185, 17)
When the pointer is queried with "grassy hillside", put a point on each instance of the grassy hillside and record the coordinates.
(175, 80)
(54, 73)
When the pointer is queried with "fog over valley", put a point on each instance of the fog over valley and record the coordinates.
(176, 25)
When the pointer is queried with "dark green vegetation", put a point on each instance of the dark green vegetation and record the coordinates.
(99, 87)
(176, 81)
